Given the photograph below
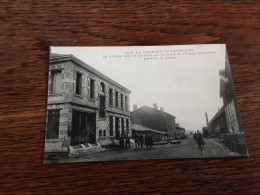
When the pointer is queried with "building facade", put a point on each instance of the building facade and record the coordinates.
(226, 123)
(158, 136)
(227, 93)
(84, 105)
(180, 132)
(226, 119)
(218, 124)
(155, 119)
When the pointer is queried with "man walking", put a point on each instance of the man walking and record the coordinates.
(141, 140)
(199, 138)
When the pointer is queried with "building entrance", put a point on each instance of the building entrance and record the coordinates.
(83, 128)
(117, 127)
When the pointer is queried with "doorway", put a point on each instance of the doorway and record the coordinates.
(83, 128)
(122, 126)
(117, 127)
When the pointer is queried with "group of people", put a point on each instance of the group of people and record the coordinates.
(198, 138)
(124, 141)
(140, 140)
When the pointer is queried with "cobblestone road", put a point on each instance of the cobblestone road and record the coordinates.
(186, 149)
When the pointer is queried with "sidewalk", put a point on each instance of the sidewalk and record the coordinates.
(226, 151)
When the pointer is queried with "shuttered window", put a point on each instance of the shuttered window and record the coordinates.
(55, 82)
(111, 96)
(116, 96)
(122, 101)
(92, 88)
(78, 84)
(126, 103)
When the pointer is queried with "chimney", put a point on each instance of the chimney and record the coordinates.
(134, 107)
(162, 109)
(207, 121)
(155, 106)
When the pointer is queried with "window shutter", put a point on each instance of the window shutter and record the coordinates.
(114, 97)
(88, 87)
(96, 89)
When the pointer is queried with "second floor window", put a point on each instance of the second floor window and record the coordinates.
(126, 103)
(55, 82)
(79, 84)
(111, 96)
(122, 101)
(92, 88)
(102, 106)
(102, 87)
(116, 97)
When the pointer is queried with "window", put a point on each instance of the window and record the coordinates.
(55, 82)
(127, 125)
(102, 106)
(53, 124)
(126, 103)
(122, 125)
(100, 132)
(104, 133)
(111, 96)
(111, 132)
(116, 96)
(92, 88)
(122, 101)
(102, 87)
(78, 84)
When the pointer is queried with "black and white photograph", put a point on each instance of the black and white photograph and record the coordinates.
(141, 102)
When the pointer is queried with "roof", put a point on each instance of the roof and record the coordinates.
(138, 127)
(54, 57)
(156, 110)
(217, 114)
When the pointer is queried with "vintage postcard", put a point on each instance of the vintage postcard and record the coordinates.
(142, 102)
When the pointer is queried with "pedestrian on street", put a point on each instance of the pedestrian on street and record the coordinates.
(121, 141)
(146, 140)
(199, 139)
(141, 140)
(92, 136)
(127, 141)
(150, 139)
(136, 141)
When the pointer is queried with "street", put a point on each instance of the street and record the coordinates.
(186, 149)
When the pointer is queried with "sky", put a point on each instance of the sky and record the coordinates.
(185, 83)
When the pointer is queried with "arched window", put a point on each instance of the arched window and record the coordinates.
(102, 87)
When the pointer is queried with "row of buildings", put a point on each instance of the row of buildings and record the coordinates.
(86, 106)
(226, 121)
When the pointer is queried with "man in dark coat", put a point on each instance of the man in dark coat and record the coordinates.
(199, 138)
(127, 141)
(136, 141)
(121, 141)
(150, 139)
(92, 136)
(141, 140)
(146, 140)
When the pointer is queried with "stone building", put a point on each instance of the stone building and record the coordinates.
(226, 120)
(218, 124)
(84, 105)
(180, 132)
(155, 119)
(227, 93)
